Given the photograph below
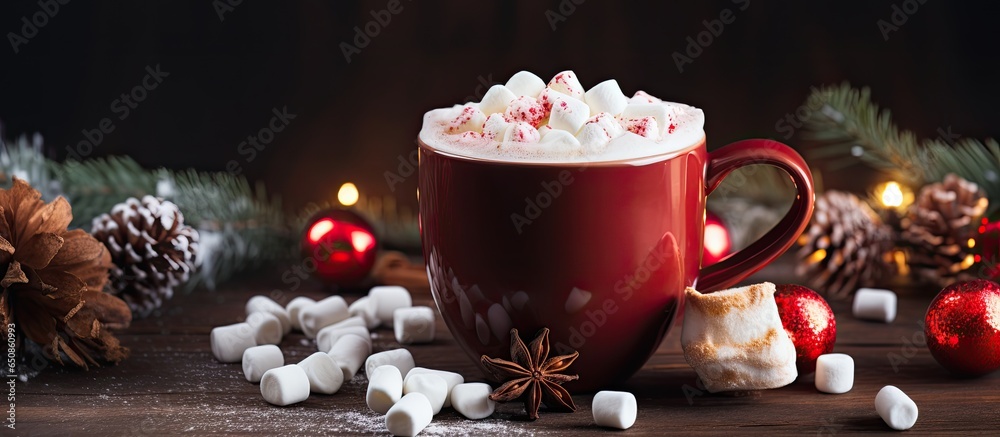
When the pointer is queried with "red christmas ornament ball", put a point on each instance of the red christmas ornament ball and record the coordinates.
(809, 322)
(963, 327)
(339, 246)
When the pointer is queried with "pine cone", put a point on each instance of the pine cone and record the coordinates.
(152, 250)
(938, 227)
(54, 281)
(847, 246)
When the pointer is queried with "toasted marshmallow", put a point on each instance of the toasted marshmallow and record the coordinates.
(496, 100)
(735, 341)
(525, 83)
(607, 97)
(661, 112)
(469, 118)
(567, 83)
(568, 114)
(526, 109)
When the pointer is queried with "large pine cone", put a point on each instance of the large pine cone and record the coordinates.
(938, 228)
(53, 285)
(151, 248)
(846, 246)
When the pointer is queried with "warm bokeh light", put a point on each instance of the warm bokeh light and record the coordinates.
(716, 239)
(893, 195)
(320, 229)
(348, 194)
(817, 256)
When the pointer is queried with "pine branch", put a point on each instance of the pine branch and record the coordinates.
(846, 122)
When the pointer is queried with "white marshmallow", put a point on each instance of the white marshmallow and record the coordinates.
(568, 114)
(645, 127)
(494, 128)
(350, 351)
(661, 112)
(260, 359)
(325, 376)
(359, 308)
(261, 303)
(875, 304)
(598, 131)
(322, 314)
(496, 100)
(350, 322)
(644, 97)
(614, 409)
(229, 342)
(451, 378)
(896, 408)
(285, 385)
(556, 140)
(409, 416)
(734, 339)
(385, 387)
(295, 307)
(834, 373)
(607, 97)
(383, 300)
(525, 83)
(469, 118)
(266, 328)
(432, 386)
(519, 133)
(567, 83)
(328, 336)
(399, 358)
(413, 325)
(472, 400)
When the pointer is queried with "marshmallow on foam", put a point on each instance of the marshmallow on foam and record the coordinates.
(645, 127)
(643, 97)
(525, 83)
(558, 141)
(520, 132)
(494, 127)
(735, 341)
(607, 97)
(496, 100)
(567, 83)
(469, 118)
(598, 131)
(526, 109)
(568, 114)
(661, 112)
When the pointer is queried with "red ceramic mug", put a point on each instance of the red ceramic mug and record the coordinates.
(599, 253)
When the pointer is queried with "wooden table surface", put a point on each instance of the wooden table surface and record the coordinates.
(172, 385)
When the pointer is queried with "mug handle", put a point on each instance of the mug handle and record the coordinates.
(754, 257)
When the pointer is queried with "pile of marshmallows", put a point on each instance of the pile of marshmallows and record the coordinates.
(835, 372)
(561, 115)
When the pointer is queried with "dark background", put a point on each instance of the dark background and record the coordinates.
(353, 120)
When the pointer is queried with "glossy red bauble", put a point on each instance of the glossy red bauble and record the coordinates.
(339, 247)
(963, 327)
(809, 322)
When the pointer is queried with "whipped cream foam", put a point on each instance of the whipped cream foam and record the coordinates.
(529, 120)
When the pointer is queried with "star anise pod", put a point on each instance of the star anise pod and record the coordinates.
(532, 374)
